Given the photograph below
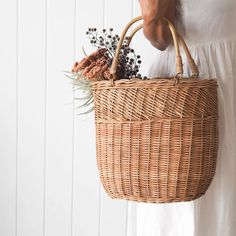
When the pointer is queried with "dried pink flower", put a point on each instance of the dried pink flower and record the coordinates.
(94, 66)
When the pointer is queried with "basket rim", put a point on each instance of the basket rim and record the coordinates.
(155, 82)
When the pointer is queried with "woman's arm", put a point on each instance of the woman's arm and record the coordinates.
(155, 28)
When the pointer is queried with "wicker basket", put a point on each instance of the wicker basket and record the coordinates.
(156, 139)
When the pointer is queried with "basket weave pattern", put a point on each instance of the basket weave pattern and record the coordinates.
(155, 145)
(138, 100)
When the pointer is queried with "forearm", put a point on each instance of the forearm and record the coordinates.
(155, 27)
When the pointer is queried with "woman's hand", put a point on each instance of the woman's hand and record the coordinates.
(155, 28)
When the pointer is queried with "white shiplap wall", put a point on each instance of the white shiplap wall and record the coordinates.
(48, 174)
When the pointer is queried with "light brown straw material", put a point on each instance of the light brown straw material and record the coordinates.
(156, 139)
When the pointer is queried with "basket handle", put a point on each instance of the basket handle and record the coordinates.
(191, 62)
(176, 37)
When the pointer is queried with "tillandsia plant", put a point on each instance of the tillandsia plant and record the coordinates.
(96, 66)
(82, 84)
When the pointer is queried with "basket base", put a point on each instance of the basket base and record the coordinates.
(156, 200)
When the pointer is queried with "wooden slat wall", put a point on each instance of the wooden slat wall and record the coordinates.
(31, 117)
(8, 117)
(48, 173)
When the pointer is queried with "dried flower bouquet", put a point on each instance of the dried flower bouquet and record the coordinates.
(96, 66)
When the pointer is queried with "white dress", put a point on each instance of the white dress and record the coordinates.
(211, 36)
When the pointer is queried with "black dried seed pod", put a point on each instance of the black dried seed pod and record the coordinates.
(129, 62)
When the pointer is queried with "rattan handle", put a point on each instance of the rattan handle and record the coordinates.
(191, 62)
(179, 64)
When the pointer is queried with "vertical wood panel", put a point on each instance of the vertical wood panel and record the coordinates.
(86, 184)
(8, 119)
(31, 117)
(60, 53)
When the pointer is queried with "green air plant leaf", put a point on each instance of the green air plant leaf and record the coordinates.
(81, 83)
(84, 51)
(82, 98)
(86, 112)
(88, 102)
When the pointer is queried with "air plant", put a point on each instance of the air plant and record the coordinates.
(82, 84)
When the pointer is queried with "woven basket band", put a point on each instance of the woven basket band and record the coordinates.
(112, 121)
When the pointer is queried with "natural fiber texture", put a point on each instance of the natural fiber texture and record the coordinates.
(156, 139)
(157, 143)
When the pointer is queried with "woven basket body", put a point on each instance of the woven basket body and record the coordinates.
(156, 143)
(156, 140)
